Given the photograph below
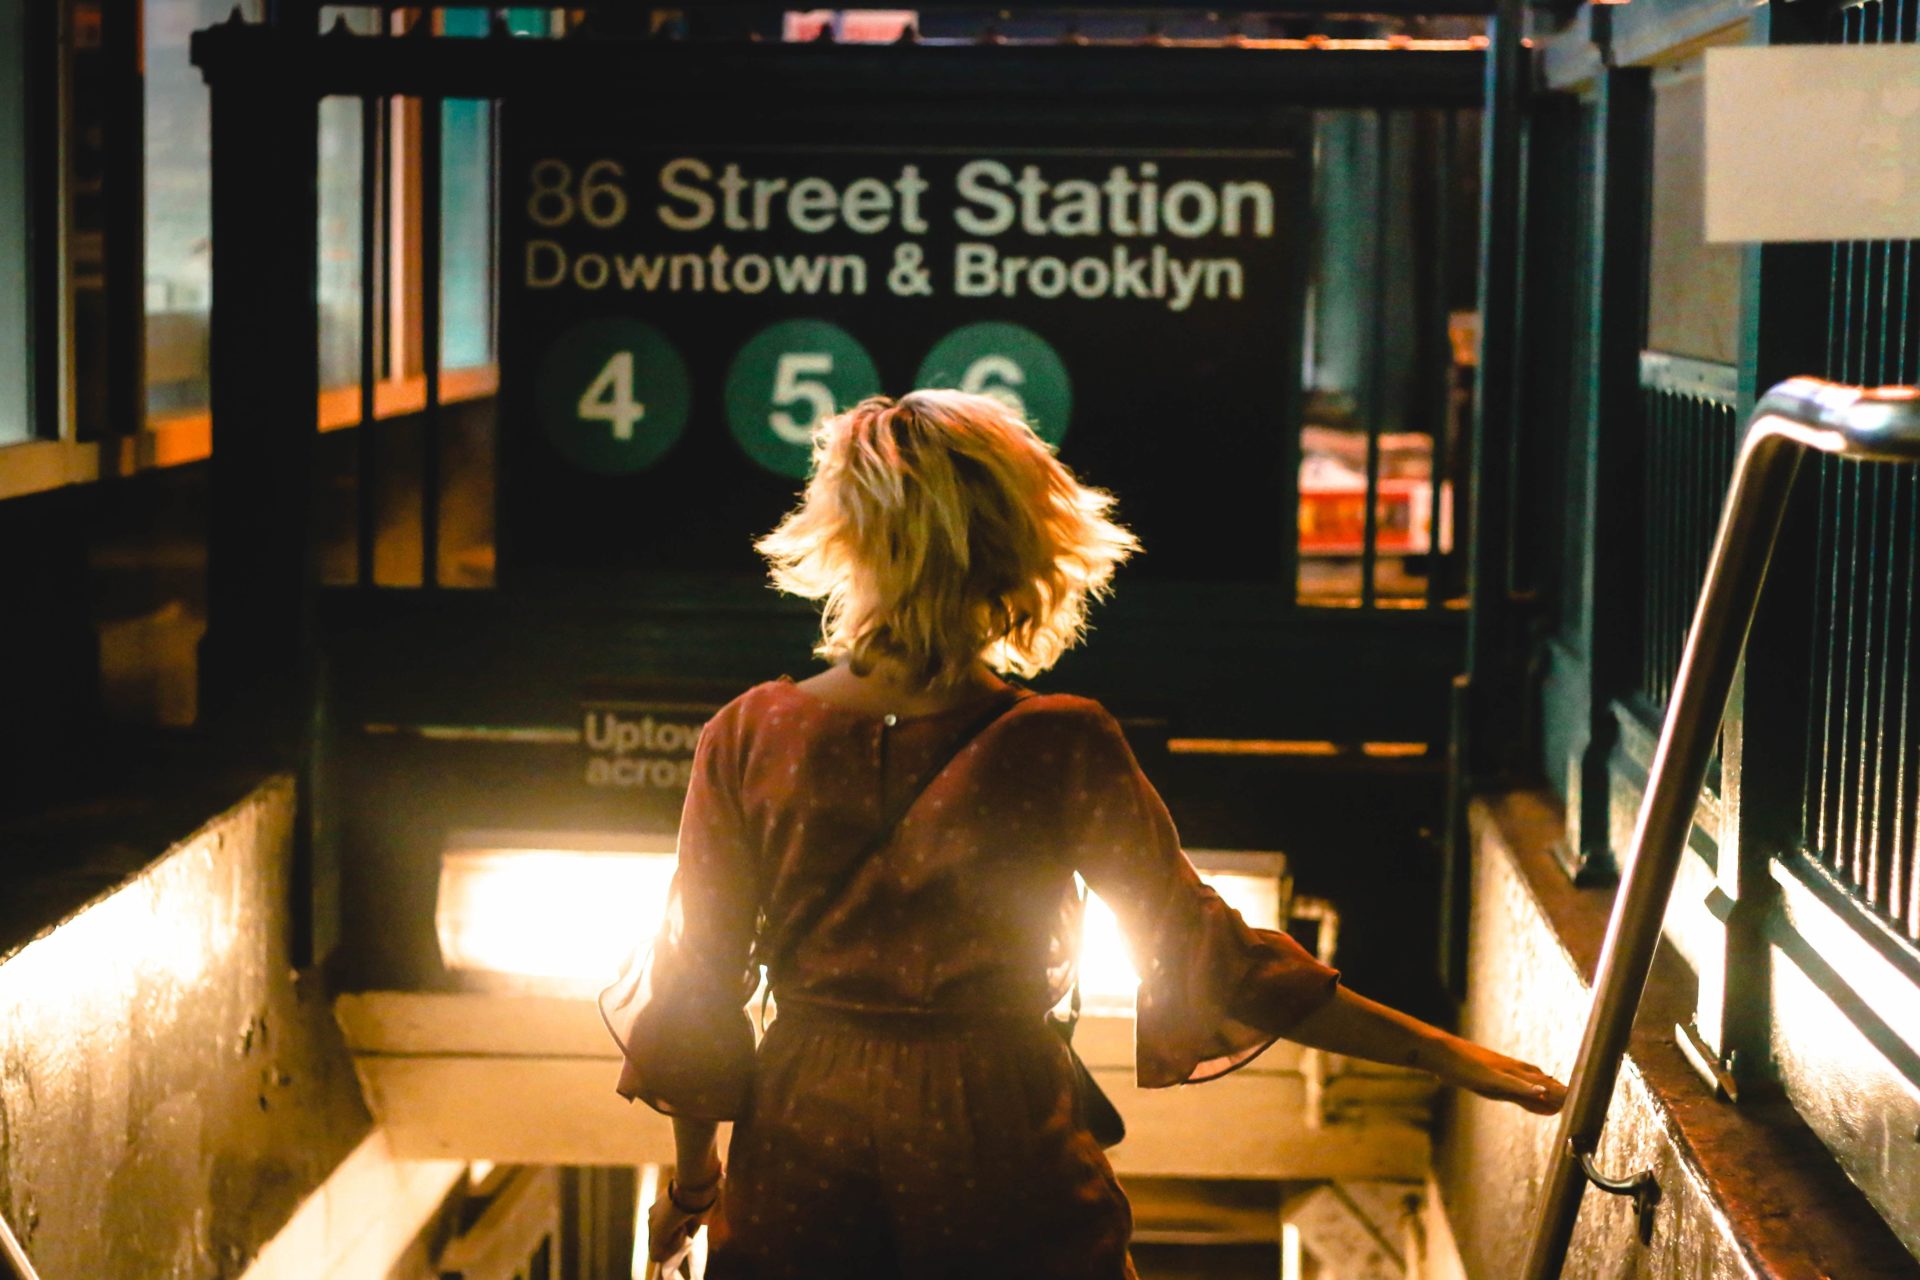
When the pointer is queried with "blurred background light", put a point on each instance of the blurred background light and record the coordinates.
(1254, 884)
(566, 911)
(550, 910)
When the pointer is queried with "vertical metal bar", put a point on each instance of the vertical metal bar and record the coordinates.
(123, 228)
(432, 117)
(1881, 889)
(1377, 351)
(1676, 541)
(1661, 533)
(256, 657)
(1810, 815)
(1830, 732)
(366, 487)
(1492, 697)
(1843, 848)
(1903, 877)
(1659, 557)
(1442, 363)
(1901, 802)
(1658, 552)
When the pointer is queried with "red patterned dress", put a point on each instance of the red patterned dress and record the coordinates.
(909, 1113)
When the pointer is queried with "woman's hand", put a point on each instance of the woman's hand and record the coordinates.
(1495, 1075)
(677, 1214)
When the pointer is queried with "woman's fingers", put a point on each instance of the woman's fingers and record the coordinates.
(668, 1227)
(1531, 1088)
(1494, 1075)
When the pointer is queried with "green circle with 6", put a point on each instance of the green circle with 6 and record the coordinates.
(613, 395)
(787, 378)
(1010, 363)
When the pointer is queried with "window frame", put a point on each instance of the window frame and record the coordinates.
(54, 458)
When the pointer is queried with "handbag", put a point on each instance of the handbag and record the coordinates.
(1093, 1110)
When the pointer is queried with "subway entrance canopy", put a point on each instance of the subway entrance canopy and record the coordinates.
(698, 248)
(703, 245)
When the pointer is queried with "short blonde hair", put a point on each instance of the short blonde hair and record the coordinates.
(938, 529)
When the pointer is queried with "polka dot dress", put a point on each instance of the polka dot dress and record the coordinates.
(909, 1113)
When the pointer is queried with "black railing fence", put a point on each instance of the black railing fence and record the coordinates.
(1691, 435)
(1861, 800)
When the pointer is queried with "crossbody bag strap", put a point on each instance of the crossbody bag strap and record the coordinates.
(766, 955)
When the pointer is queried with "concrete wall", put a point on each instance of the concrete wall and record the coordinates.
(169, 1090)
(1746, 1190)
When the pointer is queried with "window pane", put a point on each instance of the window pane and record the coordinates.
(340, 249)
(466, 233)
(1378, 362)
(16, 398)
(178, 189)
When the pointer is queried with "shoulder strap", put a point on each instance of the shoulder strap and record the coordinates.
(768, 953)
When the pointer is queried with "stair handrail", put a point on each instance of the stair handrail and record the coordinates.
(14, 1256)
(1799, 415)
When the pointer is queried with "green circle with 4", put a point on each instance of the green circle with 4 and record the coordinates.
(1011, 363)
(785, 379)
(613, 395)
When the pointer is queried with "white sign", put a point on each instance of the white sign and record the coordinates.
(1813, 142)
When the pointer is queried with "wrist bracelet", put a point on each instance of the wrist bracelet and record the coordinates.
(673, 1197)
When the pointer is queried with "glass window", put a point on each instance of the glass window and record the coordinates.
(466, 232)
(341, 144)
(179, 284)
(16, 296)
(1380, 370)
(466, 205)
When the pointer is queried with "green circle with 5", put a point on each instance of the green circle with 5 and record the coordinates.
(613, 395)
(1012, 364)
(787, 378)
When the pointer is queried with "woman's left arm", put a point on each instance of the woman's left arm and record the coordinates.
(1357, 1027)
(679, 1210)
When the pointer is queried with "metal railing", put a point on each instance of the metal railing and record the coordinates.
(1692, 433)
(14, 1263)
(1796, 417)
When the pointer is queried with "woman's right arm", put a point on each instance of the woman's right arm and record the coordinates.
(1357, 1027)
(1215, 992)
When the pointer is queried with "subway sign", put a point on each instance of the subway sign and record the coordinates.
(678, 313)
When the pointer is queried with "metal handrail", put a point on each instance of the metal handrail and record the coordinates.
(1799, 415)
(13, 1257)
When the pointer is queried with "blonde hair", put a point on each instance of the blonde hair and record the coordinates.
(938, 529)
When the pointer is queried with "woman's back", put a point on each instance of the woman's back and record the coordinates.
(967, 907)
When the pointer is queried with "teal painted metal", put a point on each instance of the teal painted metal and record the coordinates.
(17, 409)
(1691, 432)
(1858, 814)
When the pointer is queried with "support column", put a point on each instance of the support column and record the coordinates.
(1783, 324)
(1485, 712)
(256, 657)
(1615, 323)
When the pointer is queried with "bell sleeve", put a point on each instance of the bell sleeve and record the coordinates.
(679, 1012)
(1214, 992)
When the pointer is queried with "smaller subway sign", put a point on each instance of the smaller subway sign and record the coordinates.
(633, 746)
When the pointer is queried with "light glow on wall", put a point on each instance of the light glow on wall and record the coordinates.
(1107, 976)
(567, 911)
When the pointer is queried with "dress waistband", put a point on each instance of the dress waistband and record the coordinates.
(903, 1021)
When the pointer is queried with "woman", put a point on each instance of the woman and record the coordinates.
(896, 838)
